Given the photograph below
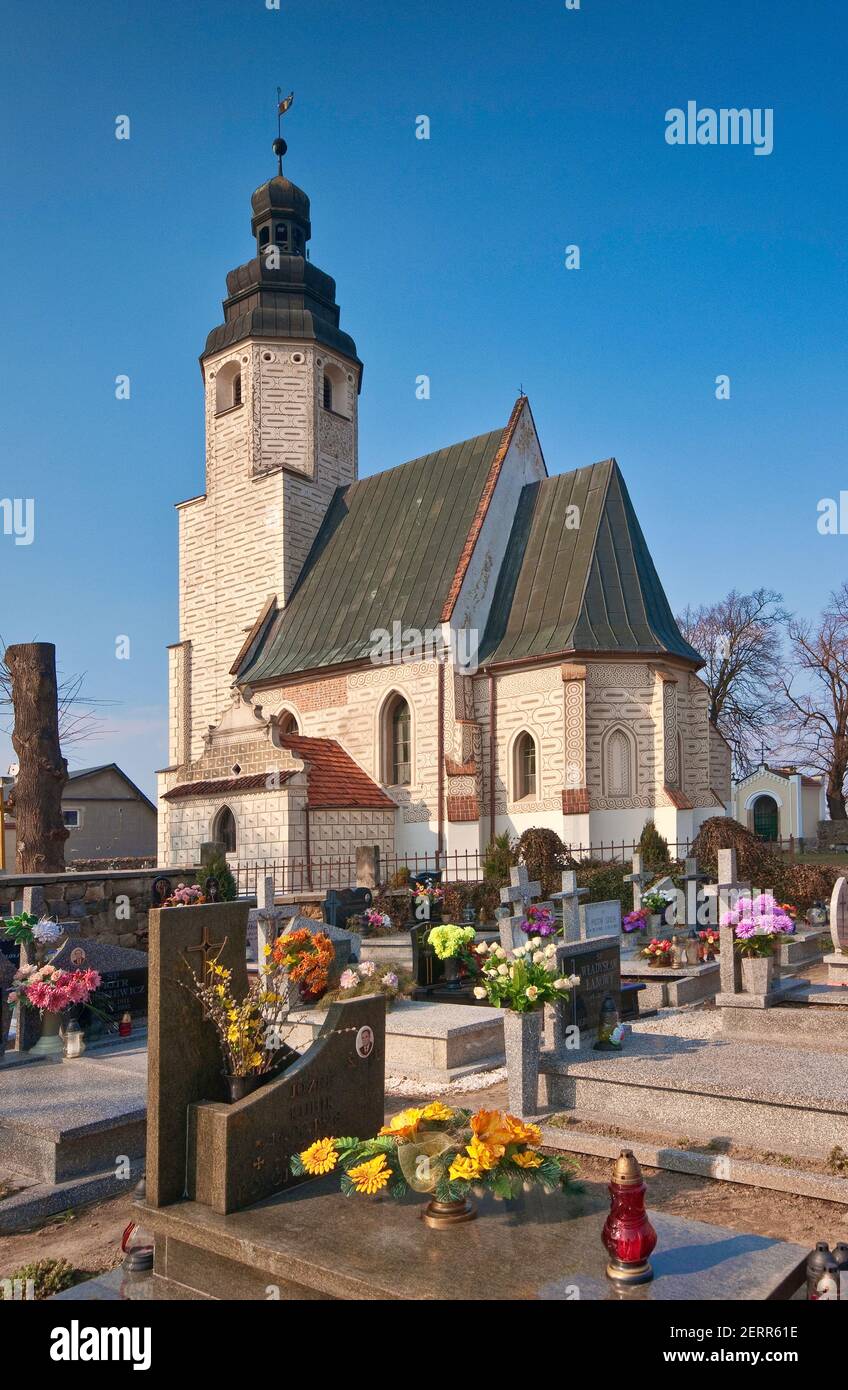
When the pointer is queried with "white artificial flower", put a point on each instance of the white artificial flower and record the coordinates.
(574, 981)
(46, 930)
(561, 983)
(532, 992)
(538, 957)
(479, 992)
(503, 969)
(482, 948)
(535, 941)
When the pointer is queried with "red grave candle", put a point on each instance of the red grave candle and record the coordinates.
(628, 1234)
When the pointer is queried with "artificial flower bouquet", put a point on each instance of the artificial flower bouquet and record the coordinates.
(523, 981)
(656, 901)
(759, 924)
(26, 930)
(433, 892)
(374, 922)
(710, 943)
(439, 1150)
(390, 980)
(185, 895)
(51, 990)
(637, 920)
(658, 952)
(307, 957)
(251, 1031)
(451, 942)
(539, 921)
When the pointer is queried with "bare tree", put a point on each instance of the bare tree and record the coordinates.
(740, 640)
(79, 719)
(43, 771)
(817, 716)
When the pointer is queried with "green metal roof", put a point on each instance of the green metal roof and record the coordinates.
(593, 588)
(387, 550)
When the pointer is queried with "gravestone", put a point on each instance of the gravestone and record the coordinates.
(639, 878)
(599, 966)
(342, 903)
(837, 962)
(184, 1059)
(600, 919)
(230, 1155)
(570, 898)
(7, 971)
(727, 892)
(123, 972)
(519, 895)
(266, 922)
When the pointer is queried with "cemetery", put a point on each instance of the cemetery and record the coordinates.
(230, 1194)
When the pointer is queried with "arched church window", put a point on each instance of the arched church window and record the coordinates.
(334, 389)
(618, 763)
(282, 236)
(287, 723)
(525, 773)
(224, 829)
(228, 387)
(264, 236)
(397, 742)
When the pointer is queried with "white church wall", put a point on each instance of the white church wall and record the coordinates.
(269, 825)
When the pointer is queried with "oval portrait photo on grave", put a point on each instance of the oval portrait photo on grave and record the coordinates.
(365, 1041)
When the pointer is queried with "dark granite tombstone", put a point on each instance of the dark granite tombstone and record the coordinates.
(599, 968)
(231, 1154)
(427, 969)
(123, 978)
(342, 903)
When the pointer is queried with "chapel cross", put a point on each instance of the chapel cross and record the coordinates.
(727, 893)
(570, 899)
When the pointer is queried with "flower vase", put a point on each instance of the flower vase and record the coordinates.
(655, 922)
(523, 1045)
(441, 1215)
(757, 974)
(451, 969)
(50, 1042)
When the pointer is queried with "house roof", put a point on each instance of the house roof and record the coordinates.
(585, 588)
(784, 773)
(77, 773)
(388, 550)
(333, 779)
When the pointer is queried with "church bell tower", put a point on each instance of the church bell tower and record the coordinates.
(281, 383)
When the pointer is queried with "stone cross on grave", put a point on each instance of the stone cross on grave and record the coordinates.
(839, 917)
(265, 922)
(692, 879)
(727, 892)
(519, 895)
(209, 950)
(572, 925)
(638, 878)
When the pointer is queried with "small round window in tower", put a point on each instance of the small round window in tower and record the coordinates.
(298, 359)
(267, 357)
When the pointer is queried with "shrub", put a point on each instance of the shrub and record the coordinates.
(544, 855)
(605, 882)
(48, 1277)
(653, 846)
(498, 859)
(399, 879)
(394, 905)
(219, 869)
(756, 864)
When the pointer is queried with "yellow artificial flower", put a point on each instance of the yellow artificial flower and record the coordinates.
(528, 1159)
(491, 1128)
(464, 1169)
(370, 1177)
(256, 1059)
(436, 1111)
(404, 1124)
(481, 1154)
(521, 1133)
(320, 1157)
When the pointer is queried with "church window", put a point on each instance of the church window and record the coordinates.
(224, 829)
(264, 236)
(397, 743)
(618, 763)
(287, 723)
(328, 393)
(525, 766)
(334, 390)
(228, 388)
(282, 234)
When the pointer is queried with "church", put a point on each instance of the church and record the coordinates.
(560, 692)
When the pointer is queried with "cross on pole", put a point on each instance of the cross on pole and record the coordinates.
(692, 878)
(570, 898)
(727, 892)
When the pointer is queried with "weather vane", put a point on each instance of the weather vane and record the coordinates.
(283, 104)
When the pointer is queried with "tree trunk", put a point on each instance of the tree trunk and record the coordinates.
(836, 805)
(43, 771)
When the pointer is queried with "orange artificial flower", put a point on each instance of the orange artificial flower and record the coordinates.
(521, 1133)
(403, 1125)
(464, 1169)
(491, 1128)
(482, 1155)
(370, 1177)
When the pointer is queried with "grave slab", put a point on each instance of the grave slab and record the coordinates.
(784, 1098)
(433, 1042)
(310, 1242)
(670, 987)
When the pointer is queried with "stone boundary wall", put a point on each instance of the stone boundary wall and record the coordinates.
(832, 833)
(110, 906)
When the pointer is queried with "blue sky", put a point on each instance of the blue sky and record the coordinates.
(547, 129)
